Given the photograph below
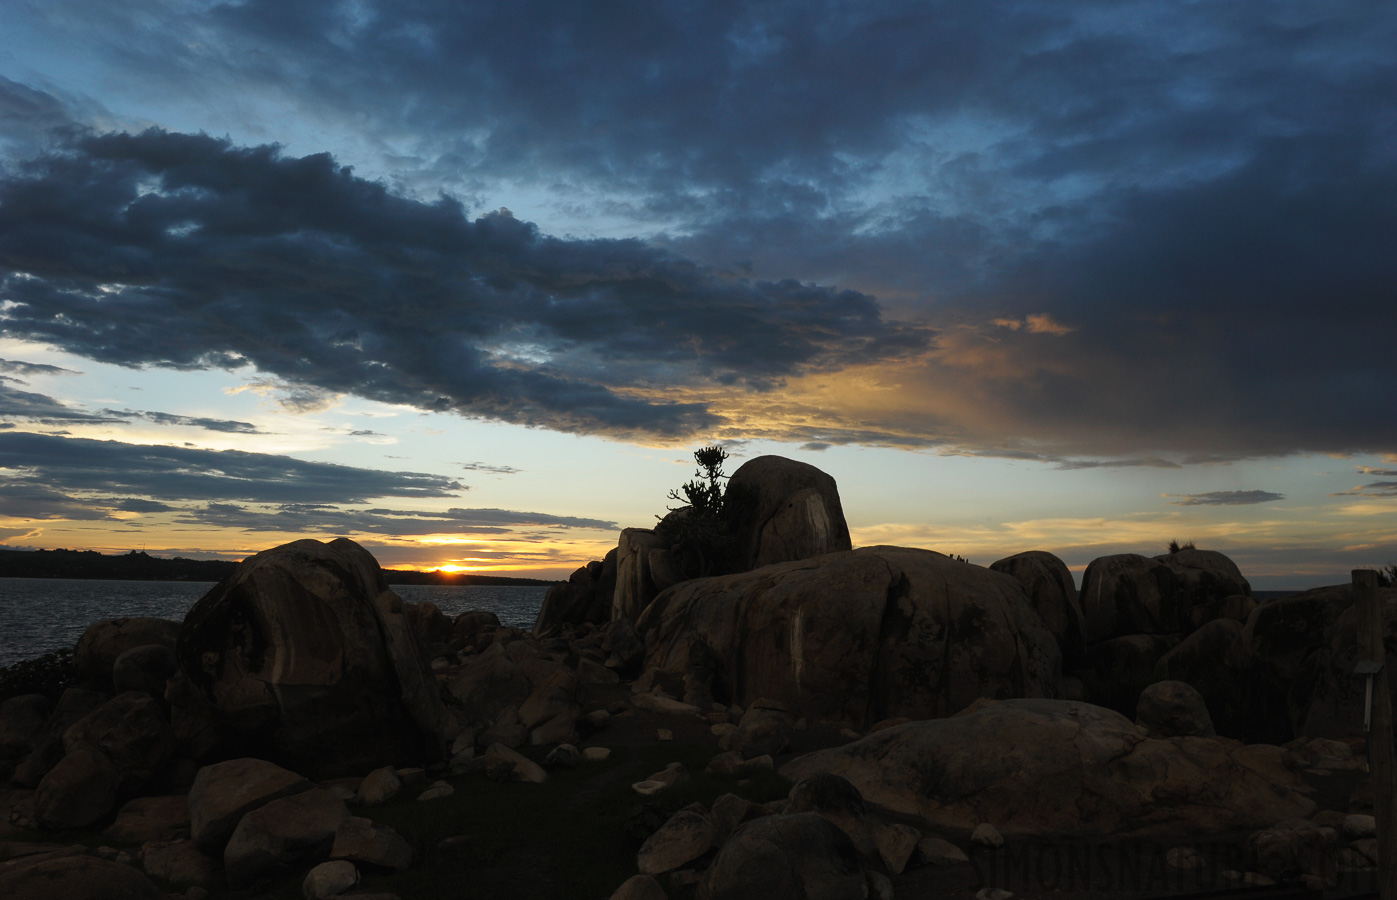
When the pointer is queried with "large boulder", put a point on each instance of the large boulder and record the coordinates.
(112, 751)
(802, 856)
(80, 790)
(635, 587)
(1119, 668)
(859, 636)
(488, 684)
(584, 597)
(146, 668)
(1048, 583)
(787, 510)
(1244, 699)
(22, 721)
(226, 791)
(1133, 594)
(308, 659)
(1326, 699)
(48, 749)
(1040, 768)
(100, 645)
(1173, 709)
(132, 731)
(74, 878)
(282, 835)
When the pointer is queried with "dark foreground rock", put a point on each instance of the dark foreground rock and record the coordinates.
(1054, 767)
(305, 657)
(859, 636)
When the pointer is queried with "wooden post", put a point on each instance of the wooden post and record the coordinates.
(1380, 749)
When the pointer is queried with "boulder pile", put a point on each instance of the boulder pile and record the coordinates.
(922, 709)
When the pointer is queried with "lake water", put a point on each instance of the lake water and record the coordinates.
(38, 615)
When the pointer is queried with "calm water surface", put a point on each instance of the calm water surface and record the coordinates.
(42, 614)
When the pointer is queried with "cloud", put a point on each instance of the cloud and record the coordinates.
(225, 425)
(43, 408)
(1180, 186)
(18, 367)
(494, 470)
(1371, 489)
(319, 518)
(1035, 323)
(1225, 498)
(336, 285)
(1381, 473)
(816, 446)
(77, 466)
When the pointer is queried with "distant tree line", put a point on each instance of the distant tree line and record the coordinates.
(141, 566)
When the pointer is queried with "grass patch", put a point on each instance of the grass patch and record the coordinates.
(575, 835)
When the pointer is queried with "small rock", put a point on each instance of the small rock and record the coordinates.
(563, 756)
(365, 841)
(436, 791)
(993, 894)
(648, 788)
(1256, 880)
(937, 852)
(880, 886)
(1183, 858)
(598, 718)
(412, 777)
(379, 786)
(1358, 826)
(1368, 847)
(595, 754)
(722, 729)
(683, 838)
(329, 879)
(640, 887)
(525, 768)
(849, 734)
(664, 734)
(896, 844)
(986, 835)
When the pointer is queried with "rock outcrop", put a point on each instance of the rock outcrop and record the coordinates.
(1050, 589)
(306, 658)
(788, 510)
(1040, 768)
(103, 642)
(584, 597)
(1132, 594)
(859, 636)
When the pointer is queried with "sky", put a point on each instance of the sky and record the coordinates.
(469, 283)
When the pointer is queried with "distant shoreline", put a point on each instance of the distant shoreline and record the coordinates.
(140, 566)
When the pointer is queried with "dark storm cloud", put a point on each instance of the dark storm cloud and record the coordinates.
(313, 518)
(42, 408)
(75, 466)
(30, 500)
(121, 242)
(1225, 498)
(1372, 489)
(28, 369)
(49, 411)
(1200, 190)
(228, 426)
(28, 117)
